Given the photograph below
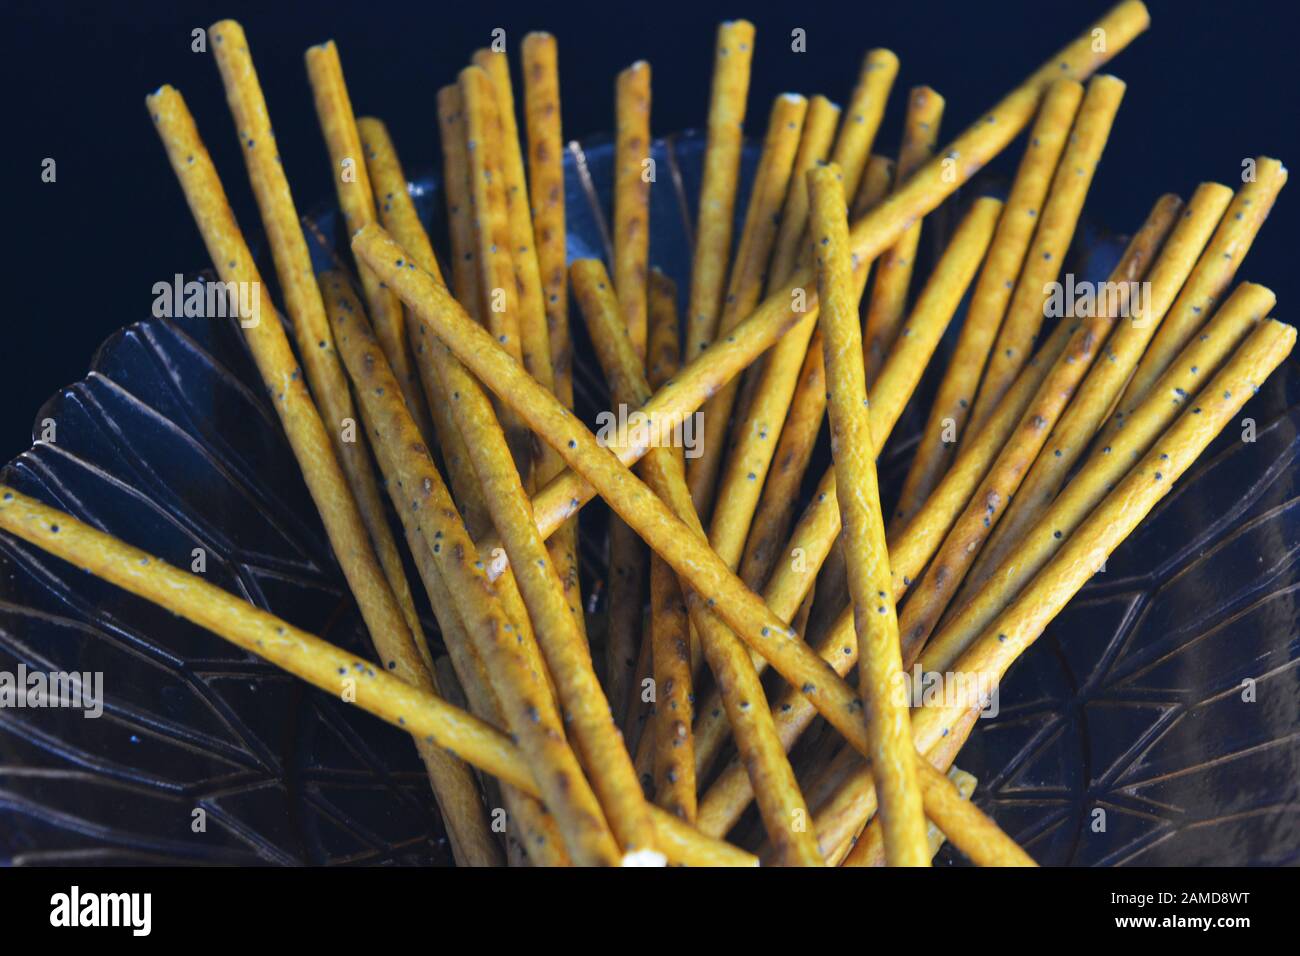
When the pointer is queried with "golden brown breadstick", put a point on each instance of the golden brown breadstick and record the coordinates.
(525, 704)
(733, 53)
(319, 663)
(1146, 308)
(870, 235)
(888, 304)
(1052, 238)
(303, 300)
(853, 449)
(1235, 319)
(989, 300)
(307, 436)
(814, 146)
(747, 276)
(964, 824)
(930, 598)
(357, 203)
(862, 118)
(1213, 274)
(455, 182)
(781, 804)
(632, 197)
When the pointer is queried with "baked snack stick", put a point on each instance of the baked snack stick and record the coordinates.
(1052, 237)
(812, 539)
(307, 435)
(817, 529)
(525, 705)
(853, 449)
(733, 52)
(1100, 390)
(1123, 508)
(802, 413)
(870, 235)
(302, 300)
(745, 286)
(357, 203)
(546, 194)
(1210, 278)
(538, 831)
(1102, 470)
(869, 848)
(308, 657)
(632, 198)
(930, 597)
(862, 119)
(782, 806)
(587, 718)
(460, 202)
(989, 300)
(888, 303)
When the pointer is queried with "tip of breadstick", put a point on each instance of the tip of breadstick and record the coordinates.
(644, 858)
(793, 97)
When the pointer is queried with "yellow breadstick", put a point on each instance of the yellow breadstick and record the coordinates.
(819, 526)
(1243, 310)
(814, 146)
(778, 794)
(733, 52)
(396, 209)
(989, 299)
(586, 710)
(1110, 523)
(546, 172)
(803, 412)
(862, 118)
(307, 435)
(1089, 408)
(888, 303)
(303, 300)
(1056, 224)
(319, 663)
(747, 276)
(524, 703)
(455, 182)
(948, 568)
(965, 825)
(632, 198)
(888, 728)
(870, 235)
(357, 203)
(1211, 277)
(869, 850)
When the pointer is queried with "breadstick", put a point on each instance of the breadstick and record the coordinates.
(964, 824)
(1201, 358)
(893, 389)
(524, 703)
(930, 598)
(862, 119)
(632, 198)
(888, 728)
(1101, 388)
(460, 202)
(747, 276)
(546, 170)
(303, 300)
(1051, 241)
(730, 88)
(317, 662)
(779, 799)
(869, 850)
(310, 441)
(814, 146)
(1211, 277)
(357, 203)
(586, 711)
(870, 235)
(888, 304)
(803, 417)
(989, 300)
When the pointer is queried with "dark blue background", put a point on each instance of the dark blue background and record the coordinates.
(1209, 84)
